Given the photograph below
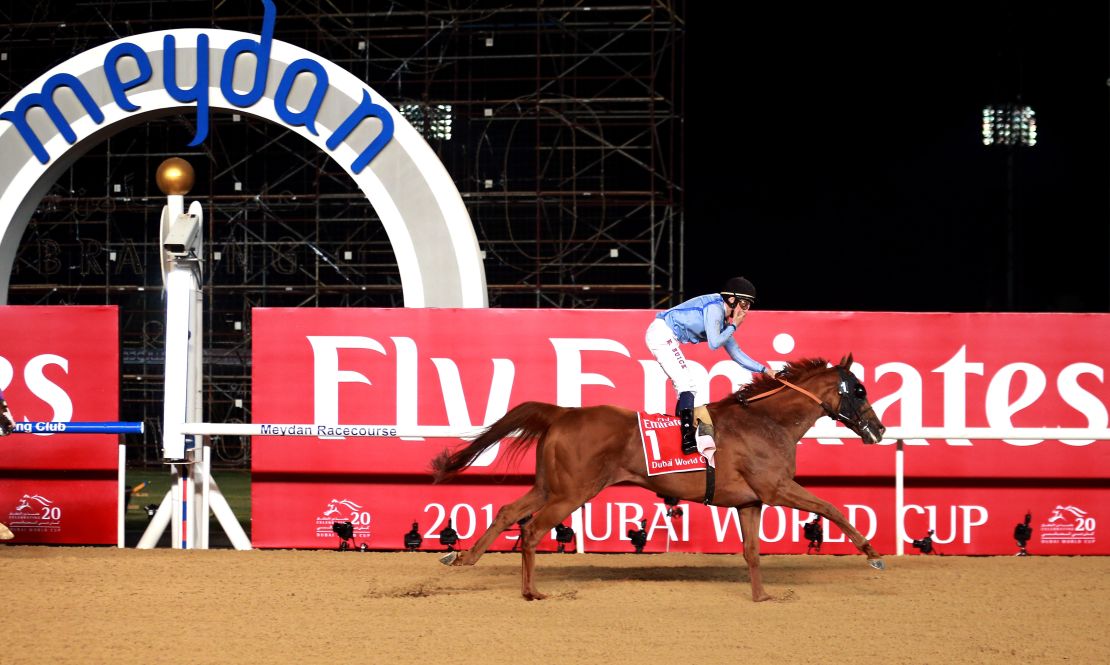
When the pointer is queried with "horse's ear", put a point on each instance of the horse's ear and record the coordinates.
(846, 361)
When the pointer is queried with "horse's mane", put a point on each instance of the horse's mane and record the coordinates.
(795, 371)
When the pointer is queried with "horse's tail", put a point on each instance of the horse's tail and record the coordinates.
(530, 421)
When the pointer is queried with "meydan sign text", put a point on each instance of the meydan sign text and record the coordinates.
(199, 91)
(102, 91)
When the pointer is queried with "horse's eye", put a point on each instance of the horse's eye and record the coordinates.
(860, 392)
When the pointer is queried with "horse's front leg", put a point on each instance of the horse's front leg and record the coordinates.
(749, 527)
(794, 495)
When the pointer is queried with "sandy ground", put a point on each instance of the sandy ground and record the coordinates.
(101, 605)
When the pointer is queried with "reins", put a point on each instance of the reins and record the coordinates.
(786, 384)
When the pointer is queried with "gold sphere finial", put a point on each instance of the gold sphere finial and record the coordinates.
(175, 176)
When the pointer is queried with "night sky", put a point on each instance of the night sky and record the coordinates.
(851, 175)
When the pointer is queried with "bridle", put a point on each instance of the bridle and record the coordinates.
(847, 399)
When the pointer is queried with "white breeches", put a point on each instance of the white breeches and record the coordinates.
(668, 352)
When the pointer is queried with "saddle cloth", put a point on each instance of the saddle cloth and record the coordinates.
(662, 440)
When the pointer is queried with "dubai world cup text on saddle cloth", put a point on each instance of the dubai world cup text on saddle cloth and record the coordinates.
(662, 439)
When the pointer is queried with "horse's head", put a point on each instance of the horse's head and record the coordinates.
(853, 409)
(838, 392)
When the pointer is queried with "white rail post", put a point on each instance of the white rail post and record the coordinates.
(899, 498)
(204, 484)
(181, 236)
(122, 498)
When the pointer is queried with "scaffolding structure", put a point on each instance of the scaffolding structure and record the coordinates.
(561, 125)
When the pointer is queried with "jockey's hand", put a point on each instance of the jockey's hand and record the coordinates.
(737, 316)
(768, 371)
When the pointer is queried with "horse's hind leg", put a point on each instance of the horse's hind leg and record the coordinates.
(749, 526)
(542, 522)
(506, 516)
(794, 495)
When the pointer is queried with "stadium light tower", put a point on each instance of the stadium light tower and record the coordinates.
(433, 121)
(1010, 126)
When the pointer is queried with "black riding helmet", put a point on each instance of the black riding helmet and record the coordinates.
(739, 287)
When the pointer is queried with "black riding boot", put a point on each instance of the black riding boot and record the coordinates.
(689, 443)
(686, 423)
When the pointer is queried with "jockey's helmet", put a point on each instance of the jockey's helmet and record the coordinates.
(739, 287)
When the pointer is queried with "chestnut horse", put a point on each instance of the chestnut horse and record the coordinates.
(581, 451)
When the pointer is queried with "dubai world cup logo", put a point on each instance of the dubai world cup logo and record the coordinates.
(1068, 525)
(340, 511)
(35, 513)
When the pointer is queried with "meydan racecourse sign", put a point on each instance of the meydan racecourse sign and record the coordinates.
(100, 92)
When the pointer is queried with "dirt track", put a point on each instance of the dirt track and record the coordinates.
(100, 605)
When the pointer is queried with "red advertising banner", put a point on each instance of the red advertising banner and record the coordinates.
(465, 368)
(382, 513)
(963, 521)
(60, 364)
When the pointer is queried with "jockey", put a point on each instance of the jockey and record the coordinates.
(714, 318)
(7, 426)
(7, 423)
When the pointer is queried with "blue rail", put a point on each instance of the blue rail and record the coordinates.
(78, 428)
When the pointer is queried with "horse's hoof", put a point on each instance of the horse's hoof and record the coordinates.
(877, 564)
(449, 559)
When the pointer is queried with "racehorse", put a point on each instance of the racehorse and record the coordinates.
(581, 451)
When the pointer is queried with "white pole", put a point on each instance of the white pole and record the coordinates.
(158, 524)
(994, 433)
(189, 515)
(899, 498)
(180, 295)
(179, 506)
(329, 431)
(204, 481)
(227, 520)
(122, 479)
(184, 363)
(893, 434)
(175, 205)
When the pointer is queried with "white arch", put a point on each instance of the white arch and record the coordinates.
(420, 207)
